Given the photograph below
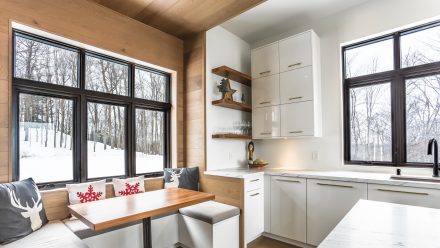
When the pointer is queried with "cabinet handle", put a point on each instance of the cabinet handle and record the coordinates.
(292, 65)
(290, 181)
(404, 192)
(335, 185)
(295, 98)
(255, 194)
(265, 133)
(296, 132)
(264, 72)
(265, 102)
(255, 180)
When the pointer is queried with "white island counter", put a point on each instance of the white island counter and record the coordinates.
(379, 224)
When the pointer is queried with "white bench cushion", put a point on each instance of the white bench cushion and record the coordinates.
(52, 235)
(210, 212)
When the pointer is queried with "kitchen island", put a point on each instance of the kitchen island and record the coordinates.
(380, 224)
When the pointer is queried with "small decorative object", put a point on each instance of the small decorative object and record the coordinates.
(251, 149)
(226, 90)
(258, 163)
(243, 100)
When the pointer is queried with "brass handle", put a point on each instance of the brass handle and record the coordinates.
(294, 64)
(404, 192)
(255, 194)
(296, 132)
(264, 102)
(290, 181)
(294, 98)
(335, 185)
(255, 180)
(264, 72)
(265, 133)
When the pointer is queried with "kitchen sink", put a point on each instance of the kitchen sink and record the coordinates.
(416, 178)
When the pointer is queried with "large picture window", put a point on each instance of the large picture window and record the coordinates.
(392, 97)
(79, 115)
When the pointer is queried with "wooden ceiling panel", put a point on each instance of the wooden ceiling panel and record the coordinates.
(180, 17)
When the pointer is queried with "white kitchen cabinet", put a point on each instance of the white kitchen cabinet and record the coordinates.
(253, 207)
(296, 51)
(298, 119)
(296, 85)
(266, 91)
(298, 79)
(267, 203)
(327, 203)
(404, 195)
(266, 122)
(265, 61)
(288, 207)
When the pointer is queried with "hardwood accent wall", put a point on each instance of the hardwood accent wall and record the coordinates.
(56, 201)
(92, 24)
(195, 133)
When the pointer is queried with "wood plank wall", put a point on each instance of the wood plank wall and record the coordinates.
(195, 133)
(92, 24)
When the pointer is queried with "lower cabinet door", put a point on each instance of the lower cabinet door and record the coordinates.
(254, 214)
(327, 203)
(404, 195)
(288, 207)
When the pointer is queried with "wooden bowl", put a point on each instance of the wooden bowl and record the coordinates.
(257, 165)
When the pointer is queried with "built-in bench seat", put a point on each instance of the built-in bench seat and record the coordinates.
(52, 235)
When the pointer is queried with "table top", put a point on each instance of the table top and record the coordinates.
(380, 224)
(116, 211)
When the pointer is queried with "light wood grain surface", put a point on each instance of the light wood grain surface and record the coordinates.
(380, 224)
(116, 211)
(180, 17)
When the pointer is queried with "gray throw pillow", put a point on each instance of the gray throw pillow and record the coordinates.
(185, 178)
(21, 210)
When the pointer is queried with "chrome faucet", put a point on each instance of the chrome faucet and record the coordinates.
(435, 166)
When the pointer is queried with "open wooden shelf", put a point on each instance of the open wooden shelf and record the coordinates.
(232, 74)
(231, 136)
(232, 105)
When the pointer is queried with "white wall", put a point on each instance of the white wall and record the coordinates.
(225, 48)
(367, 19)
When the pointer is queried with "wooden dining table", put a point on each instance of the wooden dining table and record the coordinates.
(111, 212)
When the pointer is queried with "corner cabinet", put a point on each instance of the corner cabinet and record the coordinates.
(287, 76)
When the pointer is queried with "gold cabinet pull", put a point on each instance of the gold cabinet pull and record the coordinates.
(335, 185)
(290, 181)
(255, 194)
(265, 102)
(295, 98)
(264, 72)
(292, 65)
(403, 192)
(296, 132)
(255, 180)
(265, 133)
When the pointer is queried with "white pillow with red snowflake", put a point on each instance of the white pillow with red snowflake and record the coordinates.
(128, 186)
(86, 192)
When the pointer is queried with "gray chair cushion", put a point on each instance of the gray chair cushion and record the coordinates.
(52, 235)
(83, 231)
(210, 211)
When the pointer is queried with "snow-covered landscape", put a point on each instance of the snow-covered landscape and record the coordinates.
(49, 164)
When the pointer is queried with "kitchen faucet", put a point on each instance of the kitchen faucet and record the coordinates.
(435, 166)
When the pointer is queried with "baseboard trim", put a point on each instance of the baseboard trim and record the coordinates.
(288, 241)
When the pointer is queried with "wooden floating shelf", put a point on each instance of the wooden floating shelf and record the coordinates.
(232, 74)
(231, 136)
(232, 105)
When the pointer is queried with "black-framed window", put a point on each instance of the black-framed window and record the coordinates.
(391, 95)
(79, 115)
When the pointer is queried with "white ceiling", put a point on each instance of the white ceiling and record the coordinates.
(278, 16)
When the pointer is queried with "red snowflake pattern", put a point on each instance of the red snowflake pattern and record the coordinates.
(131, 189)
(89, 196)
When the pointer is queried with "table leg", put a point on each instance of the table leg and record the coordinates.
(147, 232)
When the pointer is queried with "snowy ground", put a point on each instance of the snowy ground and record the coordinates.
(49, 164)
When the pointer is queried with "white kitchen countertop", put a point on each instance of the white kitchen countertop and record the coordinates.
(379, 224)
(348, 176)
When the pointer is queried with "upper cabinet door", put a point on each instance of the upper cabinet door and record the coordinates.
(296, 85)
(265, 61)
(297, 119)
(266, 91)
(296, 52)
(266, 122)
